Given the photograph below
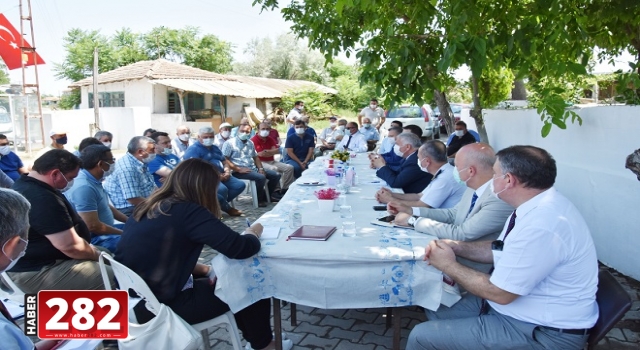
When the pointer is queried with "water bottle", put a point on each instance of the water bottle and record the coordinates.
(349, 177)
(295, 217)
(338, 177)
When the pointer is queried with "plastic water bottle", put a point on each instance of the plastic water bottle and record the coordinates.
(295, 217)
(338, 177)
(349, 177)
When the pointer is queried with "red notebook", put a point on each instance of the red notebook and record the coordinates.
(313, 233)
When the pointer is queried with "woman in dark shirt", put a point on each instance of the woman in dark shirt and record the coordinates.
(164, 237)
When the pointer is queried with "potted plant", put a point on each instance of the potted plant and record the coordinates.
(326, 198)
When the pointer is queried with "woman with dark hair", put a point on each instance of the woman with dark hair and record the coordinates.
(164, 237)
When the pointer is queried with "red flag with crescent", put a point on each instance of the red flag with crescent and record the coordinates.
(10, 41)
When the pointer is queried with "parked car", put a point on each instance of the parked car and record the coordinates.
(413, 115)
(455, 108)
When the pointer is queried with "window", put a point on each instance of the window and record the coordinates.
(108, 99)
(193, 101)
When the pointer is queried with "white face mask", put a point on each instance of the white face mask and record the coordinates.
(207, 142)
(366, 126)
(4, 150)
(342, 127)
(183, 137)
(301, 108)
(459, 133)
(493, 189)
(107, 144)
(396, 150)
(243, 136)
(299, 131)
(14, 261)
(150, 158)
(109, 171)
(372, 106)
(69, 184)
(264, 133)
(167, 151)
(225, 134)
(420, 165)
(333, 124)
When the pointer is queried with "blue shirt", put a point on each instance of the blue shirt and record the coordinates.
(161, 161)
(87, 195)
(131, 179)
(311, 131)
(12, 336)
(211, 154)
(10, 165)
(240, 153)
(370, 134)
(300, 145)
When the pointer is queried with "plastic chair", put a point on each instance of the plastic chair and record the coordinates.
(128, 279)
(251, 189)
(613, 302)
(11, 291)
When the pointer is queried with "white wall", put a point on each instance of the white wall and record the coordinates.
(591, 172)
(160, 98)
(166, 122)
(136, 92)
(234, 108)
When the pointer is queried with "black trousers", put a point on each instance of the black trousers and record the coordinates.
(199, 304)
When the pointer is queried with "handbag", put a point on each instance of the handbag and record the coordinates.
(165, 331)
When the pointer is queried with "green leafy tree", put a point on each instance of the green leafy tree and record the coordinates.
(78, 62)
(4, 75)
(316, 103)
(128, 47)
(70, 100)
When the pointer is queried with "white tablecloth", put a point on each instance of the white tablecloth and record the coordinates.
(381, 267)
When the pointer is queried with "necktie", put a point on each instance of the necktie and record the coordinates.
(348, 142)
(512, 222)
(474, 198)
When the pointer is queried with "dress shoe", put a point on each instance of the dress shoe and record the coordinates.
(234, 212)
(275, 199)
(262, 204)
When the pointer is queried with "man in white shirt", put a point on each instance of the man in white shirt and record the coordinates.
(370, 134)
(374, 113)
(542, 292)
(442, 192)
(224, 133)
(295, 114)
(182, 141)
(328, 137)
(353, 140)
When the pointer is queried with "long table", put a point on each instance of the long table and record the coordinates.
(380, 267)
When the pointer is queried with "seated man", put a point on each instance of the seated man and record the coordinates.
(224, 134)
(229, 187)
(182, 141)
(393, 160)
(148, 132)
(472, 132)
(328, 137)
(165, 160)
(299, 149)
(87, 141)
(353, 140)
(244, 121)
(395, 124)
(370, 134)
(462, 137)
(273, 133)
(245, 164)
(542, 292)
(59, 255)
(267, 148)
(58, 140)
(5, 180)
(444, 191)
(478, 215)
(309, 130)
(342, 127)
(414, 129)
(409, 177)
(131, 181)
(10, 163)
(105, 137)
(91, 201)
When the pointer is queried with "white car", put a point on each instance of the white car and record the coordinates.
(413, 115)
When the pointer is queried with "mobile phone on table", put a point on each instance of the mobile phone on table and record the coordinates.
(379, 207)
(388, 218)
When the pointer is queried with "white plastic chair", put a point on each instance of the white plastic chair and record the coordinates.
(128, 279)
(251, 189)
(13, 293)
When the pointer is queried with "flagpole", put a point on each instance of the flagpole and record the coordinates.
(96, 107)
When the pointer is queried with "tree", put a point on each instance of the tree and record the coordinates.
(4, 76)
(408, 48)
(78, 62)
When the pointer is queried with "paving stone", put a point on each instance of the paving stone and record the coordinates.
(616, 333)
(619, 345)
(352, 336)
(382, 347)
(631, 336)
(371, 338)
(346, 345)
(360, 315)
(343, 323)
(315, 342)
(331, 312)
(632, 315)
(378, 329)
(305, 327)
(635, 306)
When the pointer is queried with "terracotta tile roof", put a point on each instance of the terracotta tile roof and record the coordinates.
(282, 85)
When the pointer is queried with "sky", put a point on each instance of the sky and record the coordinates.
(234, 21)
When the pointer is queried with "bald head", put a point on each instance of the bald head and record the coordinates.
(475, 163)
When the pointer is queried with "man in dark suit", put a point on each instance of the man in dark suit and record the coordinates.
(409, 177)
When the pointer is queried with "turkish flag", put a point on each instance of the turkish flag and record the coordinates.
(10, 41)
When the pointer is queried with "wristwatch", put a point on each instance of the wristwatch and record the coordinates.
(412, 221)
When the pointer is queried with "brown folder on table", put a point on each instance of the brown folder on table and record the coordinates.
(313, 233)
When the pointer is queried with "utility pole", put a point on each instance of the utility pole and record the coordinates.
(25, 51)
(96, 108)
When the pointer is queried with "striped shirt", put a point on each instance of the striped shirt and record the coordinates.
(131, 179)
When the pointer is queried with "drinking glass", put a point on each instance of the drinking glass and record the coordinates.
(349, 229)
(345, 212)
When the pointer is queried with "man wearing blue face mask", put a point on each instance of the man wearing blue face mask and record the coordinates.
(370, 134)
(58, 140)
(478, 215)
(91, 201)
(245, 164)
(229, 187)
(165, 159)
